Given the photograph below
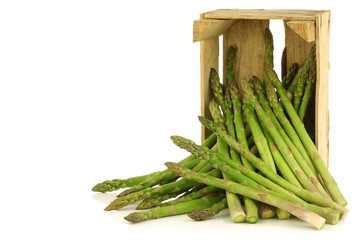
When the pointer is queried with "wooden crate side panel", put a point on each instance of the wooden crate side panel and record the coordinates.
(297, 48)
(209, 28)
(248, 35)
(285, 14)
(322, 85)
(209, 58)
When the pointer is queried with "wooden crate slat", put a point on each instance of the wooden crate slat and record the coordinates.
(246, 32)
(262, 14)
(322, 85)
(209, 58)
(305, 29)
(209, 28)
(249, 59)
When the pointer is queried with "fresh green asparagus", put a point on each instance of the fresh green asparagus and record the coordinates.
(206, 213)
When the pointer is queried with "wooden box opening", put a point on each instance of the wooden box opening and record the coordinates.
(245, 28)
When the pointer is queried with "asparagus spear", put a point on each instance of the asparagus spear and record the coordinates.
(192, 196)
(206, 213)
(282, 146)
(302, 72)
(269, 52)
(294, 208)
(166, 175)
(281, 118)
(329, 182)
(218, 88)
(310, 172)
(242, 175)
(269, 47)
(263, 168)
(231, 53)
(250, 205)
(115, 184)
(161, 177)
(172, 210)
(180, 185)
(289, 77)
(267, 212)
(235, 208)
(154, 201)
(299, 91)
(259, 138)
(261, 141)
(307, 92)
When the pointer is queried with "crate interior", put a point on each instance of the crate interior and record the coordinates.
(248, 35)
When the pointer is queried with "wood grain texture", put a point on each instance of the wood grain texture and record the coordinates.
(248, 35)
(209, 28)
(305, 29)
(322, 85)
(297, 48)
(209, 58)
(285, 14)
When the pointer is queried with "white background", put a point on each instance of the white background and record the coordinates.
(92, 90)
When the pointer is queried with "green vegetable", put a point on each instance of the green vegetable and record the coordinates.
(176, 209)
(206, 213)
(328, 180)
(294, 208)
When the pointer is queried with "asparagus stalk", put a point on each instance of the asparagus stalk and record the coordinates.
(309, 196)
(180, 185)
(294, 208)
(269, 47)
(289, 77)
(163, 176)
(192, 196)
(180, 208)
(282, 120)
(297, 155)
(331, 216)
(250, 205)
(259, 138)
(307, 92)
(269, 52)
(299, 91)
(242, 175)
(329, 181)
(231, 53)
(283, 147)
(267, 212)
(154, 201)
(115, 184)
(206, 213)
(235, 208)
(218, 88)
(302, 72)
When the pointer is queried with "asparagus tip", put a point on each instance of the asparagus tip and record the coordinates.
(199, 215)
(134, 217)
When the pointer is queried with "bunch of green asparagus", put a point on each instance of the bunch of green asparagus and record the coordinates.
(259, 162)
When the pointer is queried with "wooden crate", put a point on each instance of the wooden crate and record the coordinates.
(245, 28)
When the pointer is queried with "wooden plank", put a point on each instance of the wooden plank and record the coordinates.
(248, 35)
(322, 85)
(305, 29)
(209, 58)
(297, 49)
(285, 14)
(209, 28)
